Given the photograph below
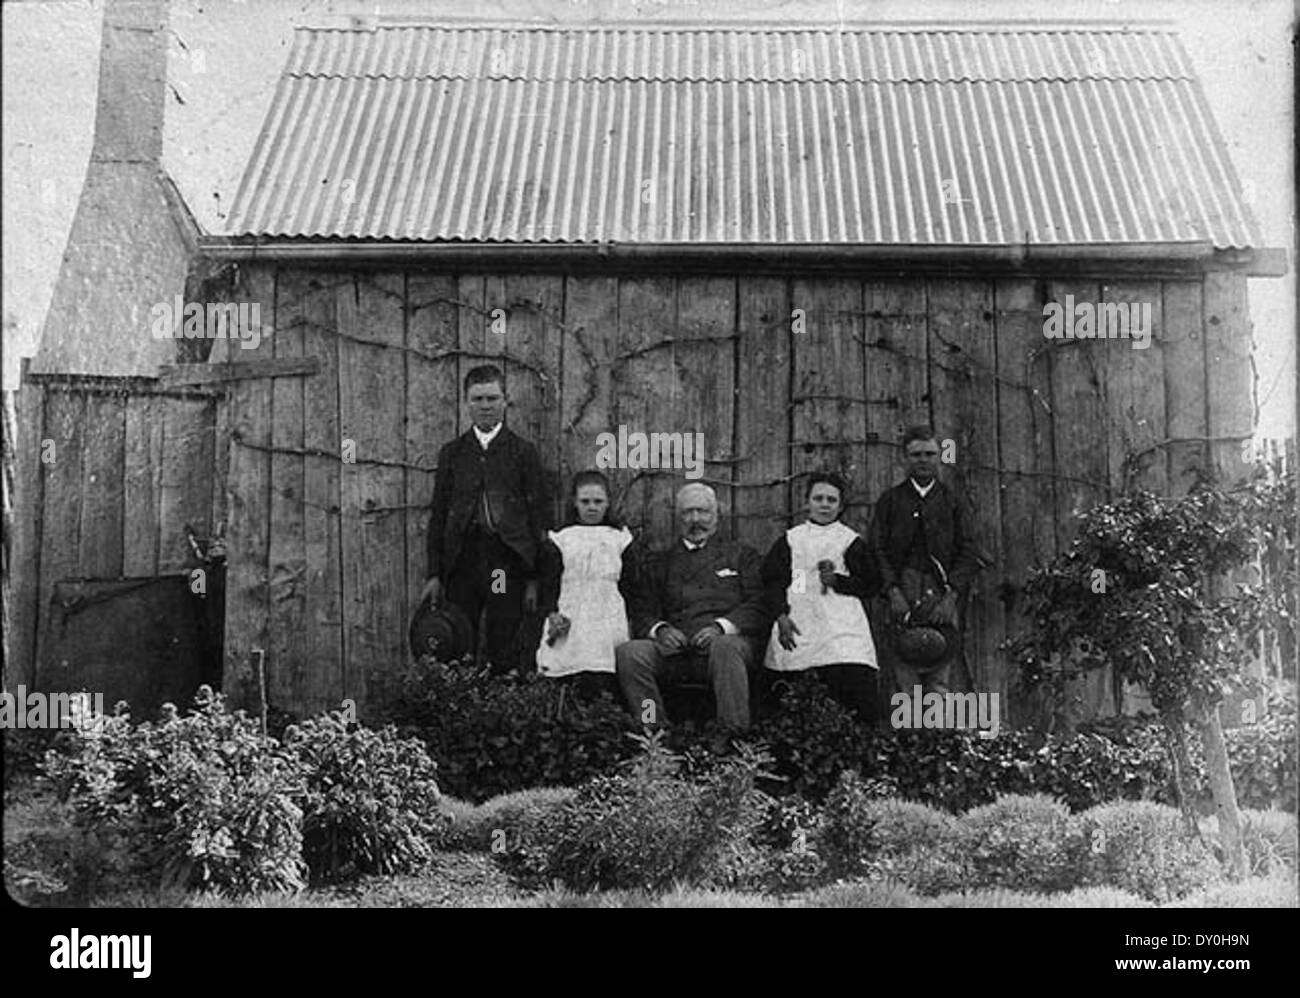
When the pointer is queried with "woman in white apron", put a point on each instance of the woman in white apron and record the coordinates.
(817, 576)
(581, 567)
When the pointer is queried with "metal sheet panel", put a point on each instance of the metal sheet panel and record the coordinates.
(967, 137)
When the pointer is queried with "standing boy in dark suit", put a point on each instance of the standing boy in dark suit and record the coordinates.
(488, 515)
(926, 557)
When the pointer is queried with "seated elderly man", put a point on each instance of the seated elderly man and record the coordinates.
(695, 611)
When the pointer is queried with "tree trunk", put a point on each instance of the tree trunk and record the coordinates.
(1225, 794)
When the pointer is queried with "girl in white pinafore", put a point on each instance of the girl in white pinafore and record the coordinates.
(816, 578)
(586, 616)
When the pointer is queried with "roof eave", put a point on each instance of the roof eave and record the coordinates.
(1189, 256)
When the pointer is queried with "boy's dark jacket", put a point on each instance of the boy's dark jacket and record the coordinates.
(511, 471)
(685, 589)
(947, 534)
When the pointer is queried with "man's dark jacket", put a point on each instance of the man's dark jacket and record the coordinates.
(511, 473)
(947, 533)
(690, 589)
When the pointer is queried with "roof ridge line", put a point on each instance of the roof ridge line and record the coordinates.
(516, 78)
(1128, 27)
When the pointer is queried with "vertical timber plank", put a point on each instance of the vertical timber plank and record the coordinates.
(29, 500)
(1229, 376)
(964, 390)
(432, 394)
(897, 386)
(1082, 464)
(762, 495)
(829, 422)
(142, 484)
(323, 682)
(590, 339)
(186, 480)
(704, 355)
(646, 386)
(1135, 393)
(1135, 399)
(535, 306)
(1184, 357)
(103, 507)
(287, 544)
(373, 488)
(65, 423)
(249, 511)
(1025, 447)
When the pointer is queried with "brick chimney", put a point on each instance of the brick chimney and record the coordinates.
(132, 83)
(132, 237)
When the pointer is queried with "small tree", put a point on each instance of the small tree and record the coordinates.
(1147, 588)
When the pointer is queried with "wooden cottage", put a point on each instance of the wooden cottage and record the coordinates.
(794, 242)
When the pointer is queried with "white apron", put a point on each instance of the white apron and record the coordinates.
(589, 597)
(833, 627)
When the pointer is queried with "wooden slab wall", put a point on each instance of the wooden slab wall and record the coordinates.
(1042, 429)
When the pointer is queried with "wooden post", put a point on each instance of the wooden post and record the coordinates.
(29, 499)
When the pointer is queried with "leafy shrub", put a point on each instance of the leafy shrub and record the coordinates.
(370, 799)
(203, 801)
(509, 817)
(916, 844)
(491, 735)
(1022, 843)
(1143, 847)
(787, 841)
(845, 835)
(25, 750)
(648, 828)
(1262, 757)
(812, 738)
(863, 833)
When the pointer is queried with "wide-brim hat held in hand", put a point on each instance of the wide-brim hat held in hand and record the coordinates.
(921, 645)
(443, 632)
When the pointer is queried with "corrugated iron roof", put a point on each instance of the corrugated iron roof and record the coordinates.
(925, 137)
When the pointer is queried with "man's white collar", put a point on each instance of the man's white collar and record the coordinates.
(924, 490)
(486, 438)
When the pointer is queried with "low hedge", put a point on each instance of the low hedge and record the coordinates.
(1142, 847)
(492, 735)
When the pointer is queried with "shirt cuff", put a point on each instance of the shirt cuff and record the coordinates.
(727, 626)
(657, 625)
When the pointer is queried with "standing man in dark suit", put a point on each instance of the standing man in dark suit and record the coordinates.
(489, 512)
(696, 611)
(926, 557)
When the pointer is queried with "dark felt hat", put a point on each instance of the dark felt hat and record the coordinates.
(924, 644)
(444, 632)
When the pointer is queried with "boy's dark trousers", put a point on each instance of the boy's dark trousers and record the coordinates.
(488, 574)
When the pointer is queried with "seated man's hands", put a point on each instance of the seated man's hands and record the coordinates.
(704, 637)
(670, 641)
(786, 629)
(557, 626)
